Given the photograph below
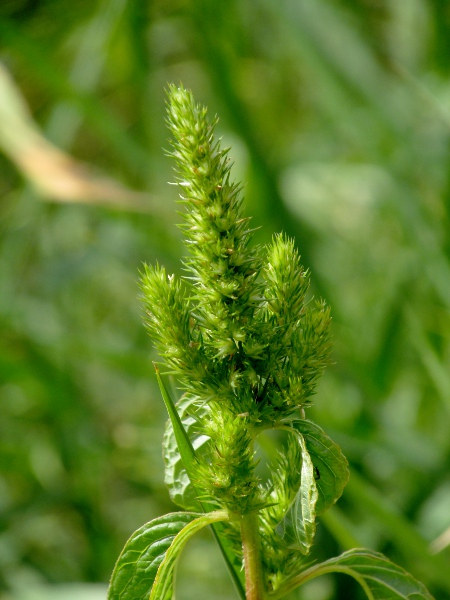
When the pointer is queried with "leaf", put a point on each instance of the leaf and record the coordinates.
(324, 474)
(176, 478)
(185, 448)
(162, 587)
(298, 526)
(379, 577)
(138, 563)
(149, 556)
(330, 465)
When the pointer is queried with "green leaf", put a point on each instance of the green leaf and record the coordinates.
(138, 563)
(379, 577)
(299, 526)
(180, 488)
(163, 584)
(324, 474)
(185, 447)
(330, 465)
(148, 558)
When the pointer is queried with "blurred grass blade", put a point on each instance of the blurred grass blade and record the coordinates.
(92, 42)
(95, 112)
(441, 542)
(341, 528)
(399, 530)
(54, 173)
(437, 370)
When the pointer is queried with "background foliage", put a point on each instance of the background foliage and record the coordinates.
(338, 115)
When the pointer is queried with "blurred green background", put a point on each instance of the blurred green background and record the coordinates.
(338, 113)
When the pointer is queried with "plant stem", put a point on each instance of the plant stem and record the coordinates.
(254, 587)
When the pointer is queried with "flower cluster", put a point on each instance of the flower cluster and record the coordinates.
(238, 331)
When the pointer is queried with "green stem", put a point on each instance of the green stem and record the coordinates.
(254, 587)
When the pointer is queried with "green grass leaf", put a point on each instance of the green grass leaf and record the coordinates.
(162, 587)
(330, 465)
(140, 559)
(379, 577)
